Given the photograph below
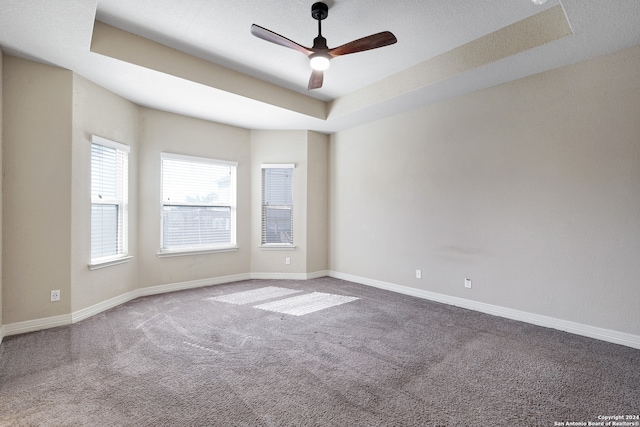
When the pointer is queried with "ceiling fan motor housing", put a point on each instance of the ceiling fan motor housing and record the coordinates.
(319, 11)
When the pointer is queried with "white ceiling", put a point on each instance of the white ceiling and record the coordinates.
(59, 32)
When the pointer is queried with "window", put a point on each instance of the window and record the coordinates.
(277, 205)
(109, 200)
(198, 204)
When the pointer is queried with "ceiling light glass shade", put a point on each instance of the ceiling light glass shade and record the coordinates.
(319, 62)
(539, 1)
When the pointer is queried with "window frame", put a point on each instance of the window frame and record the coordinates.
(204, 249)
(121, 201)
(279, 245)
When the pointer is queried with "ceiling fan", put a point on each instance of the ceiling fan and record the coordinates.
(320, 55)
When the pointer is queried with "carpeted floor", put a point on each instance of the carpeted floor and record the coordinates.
(204, 357)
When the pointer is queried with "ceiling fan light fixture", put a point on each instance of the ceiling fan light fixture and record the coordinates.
(320, 54)
(319, 62)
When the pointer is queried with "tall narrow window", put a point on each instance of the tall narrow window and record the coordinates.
(109, 199)
(198, 204)
(277, 205)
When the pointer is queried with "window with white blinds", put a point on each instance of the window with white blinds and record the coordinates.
(109, 199)
(198, 203)
(277, 205)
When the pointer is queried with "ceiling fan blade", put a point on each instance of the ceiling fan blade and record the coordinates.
(270, 36)
(373, 41)
(315, 82)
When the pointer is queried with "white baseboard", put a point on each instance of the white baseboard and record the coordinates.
(67, 319)
(36, 324)
(87, 312)
(608, 335)
(279, 276)
(317, 274)
(180, 286)
(289, 276)
(152, 290)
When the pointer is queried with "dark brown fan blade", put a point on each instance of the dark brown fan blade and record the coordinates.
(373, 41)
(315, 82)
(270, 36)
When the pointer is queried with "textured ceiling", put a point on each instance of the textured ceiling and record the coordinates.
(198, 58)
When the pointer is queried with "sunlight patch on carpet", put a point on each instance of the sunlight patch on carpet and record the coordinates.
(305, 304)
(255, 295)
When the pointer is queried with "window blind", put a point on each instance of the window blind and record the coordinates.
(109, 199)
(198, 203)
(277, 205)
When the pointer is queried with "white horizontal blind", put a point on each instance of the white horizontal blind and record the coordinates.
(277, 205)
(109, 199)
(198, 203)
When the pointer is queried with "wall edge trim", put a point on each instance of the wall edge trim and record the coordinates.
(76, 316)
(172, 287)
(615, 337)
(36, 324)
(289, 276)
(602, 334)
(67, 319)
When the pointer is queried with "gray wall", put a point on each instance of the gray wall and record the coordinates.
(531, 189)
(317, 201)
(309, 152)
(36, 189)
(279, 147)
(166, 132)
(97, 111)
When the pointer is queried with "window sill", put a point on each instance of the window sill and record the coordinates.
(187, 252)
(277, 247)
(109, 262)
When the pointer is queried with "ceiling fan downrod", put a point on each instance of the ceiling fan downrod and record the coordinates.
(320, 11)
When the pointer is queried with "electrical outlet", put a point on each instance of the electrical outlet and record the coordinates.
(418, 274)
(287, 261)
(55, 295)
(467, 283)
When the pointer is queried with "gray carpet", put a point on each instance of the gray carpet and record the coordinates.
(191, 358)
